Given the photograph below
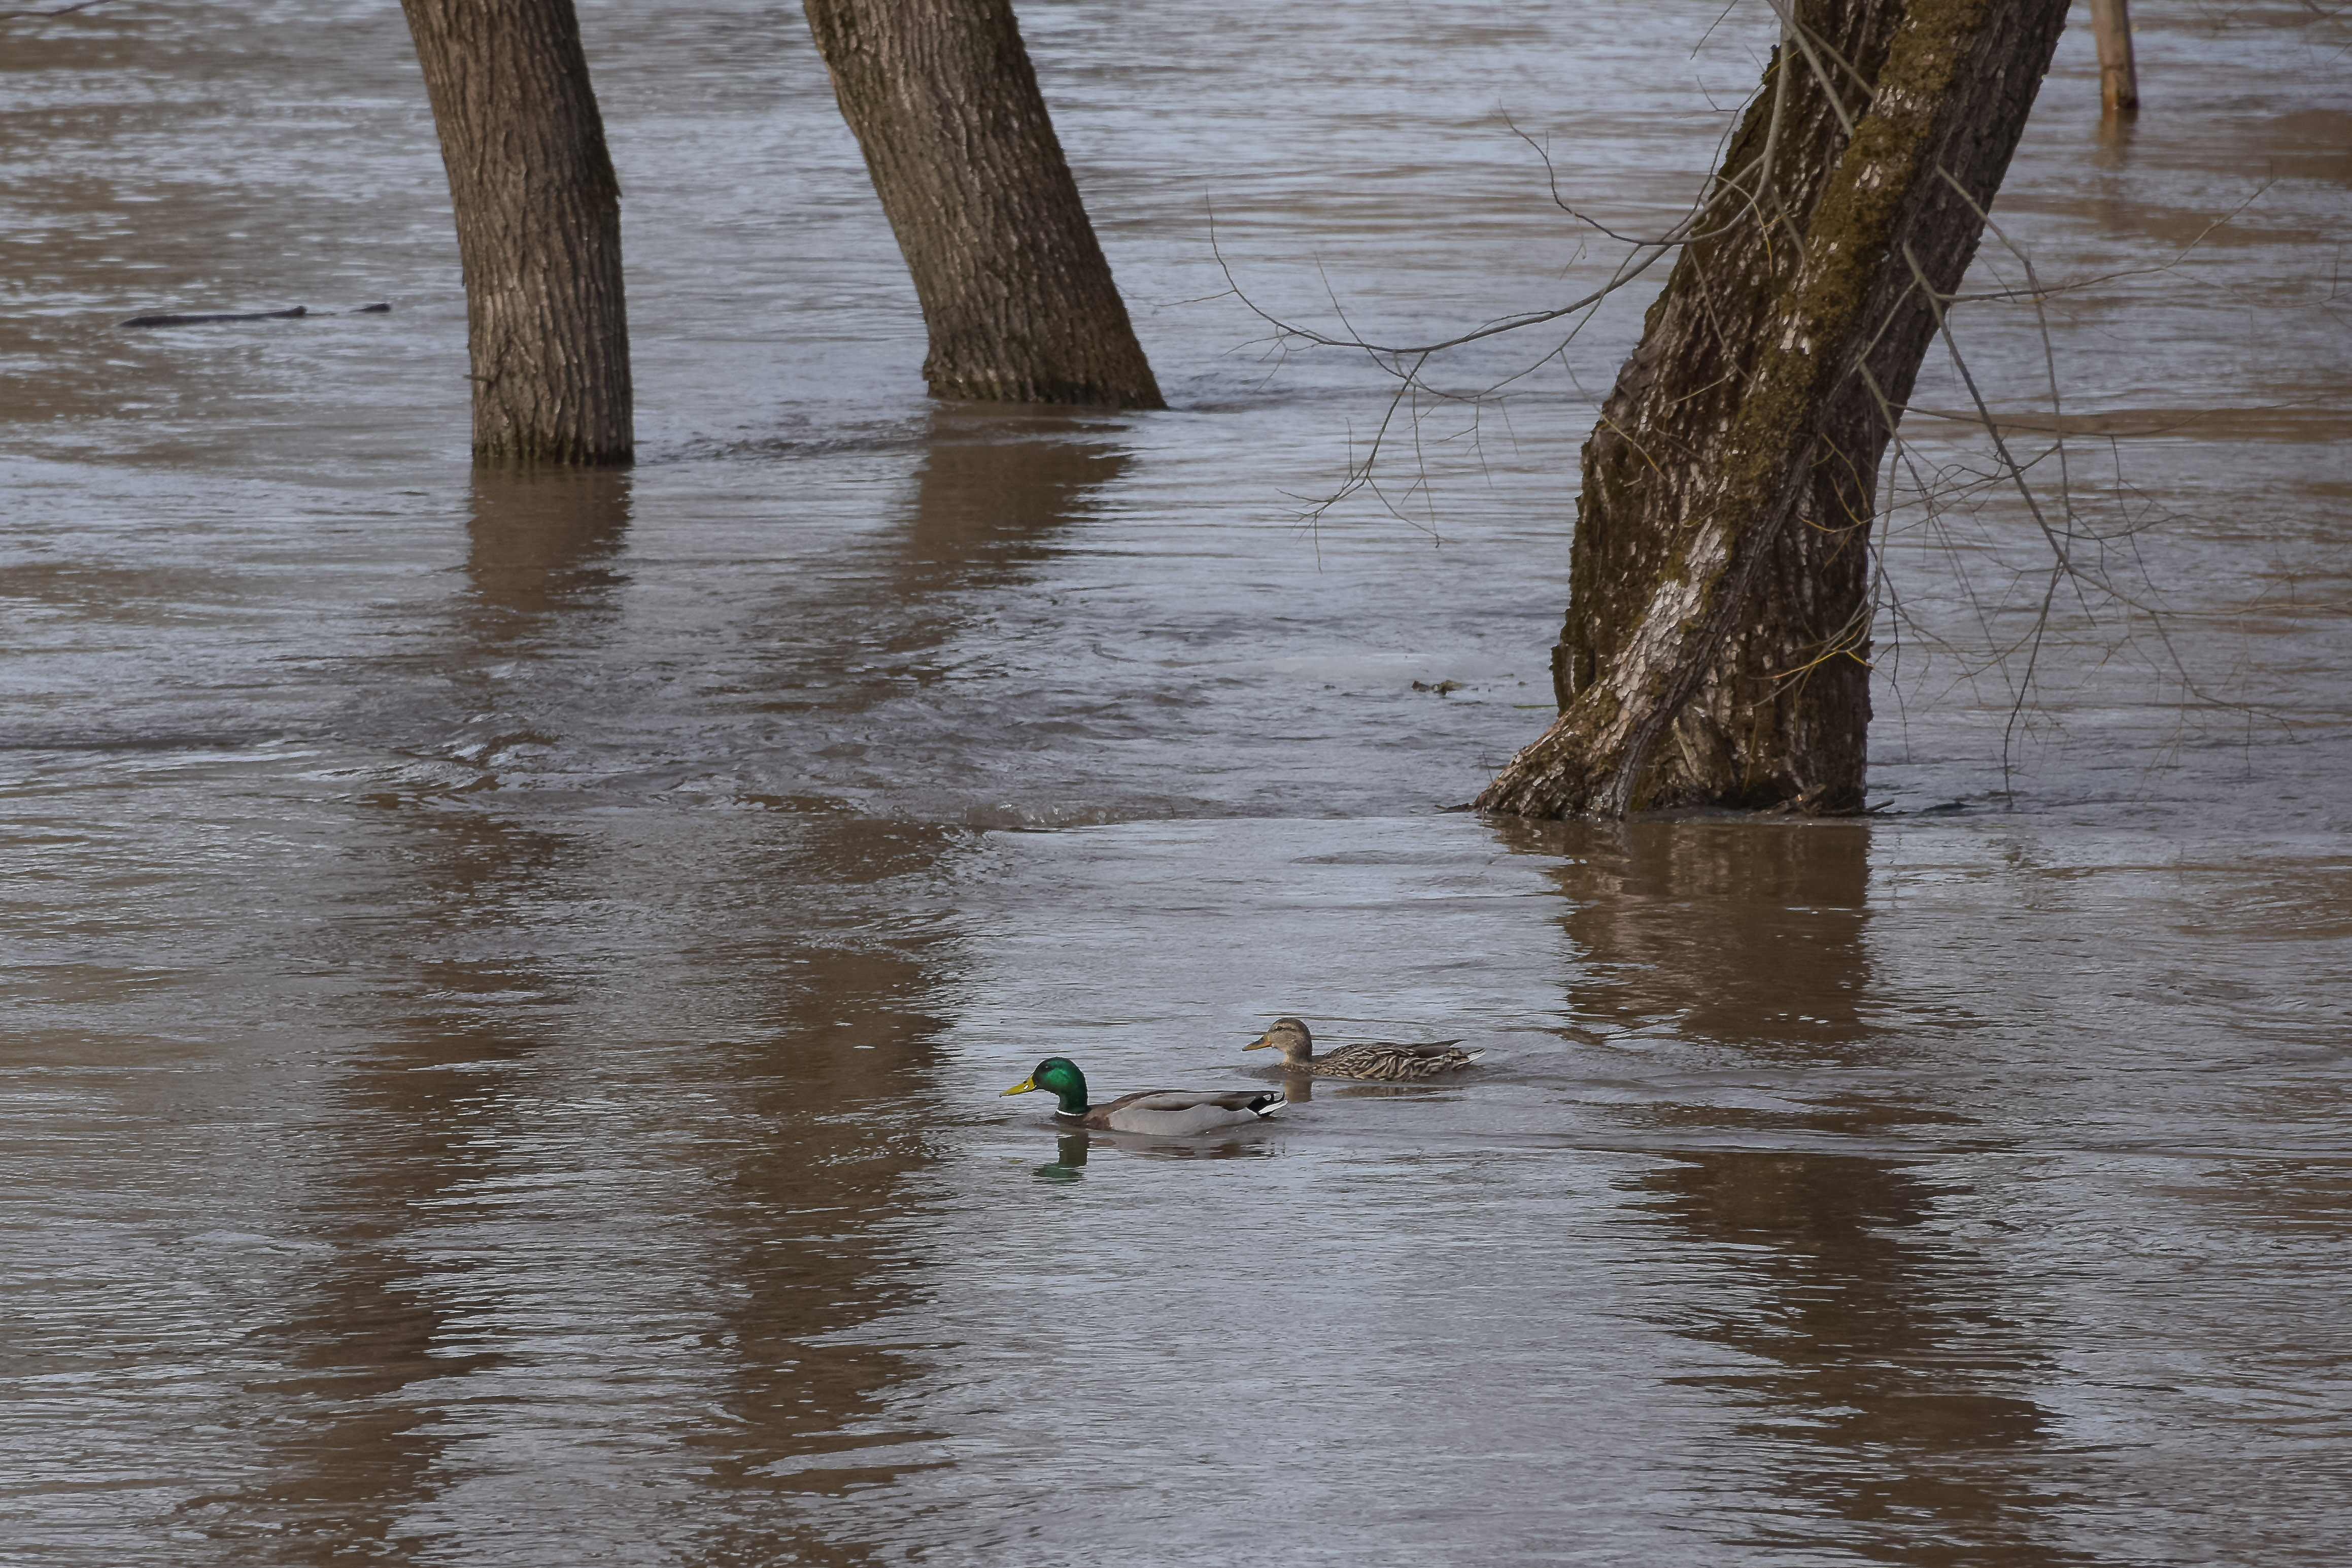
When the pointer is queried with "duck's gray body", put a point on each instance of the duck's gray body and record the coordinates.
(1168, 1112)
(1177, 1112)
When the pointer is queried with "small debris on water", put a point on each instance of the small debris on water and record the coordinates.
(207, 318)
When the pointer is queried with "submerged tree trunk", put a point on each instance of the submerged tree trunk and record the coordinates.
(1717, 632)
(538, 228)
(1014, 289)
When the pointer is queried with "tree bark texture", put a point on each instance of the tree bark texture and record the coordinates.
(1717, 634)
(1014, 289)
(538, 228)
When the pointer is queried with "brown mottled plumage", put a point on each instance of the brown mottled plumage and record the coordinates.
(1380, 1060)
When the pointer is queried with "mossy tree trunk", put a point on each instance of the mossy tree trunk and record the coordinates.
(1718, 623)
(538, 228)
(1014, 289)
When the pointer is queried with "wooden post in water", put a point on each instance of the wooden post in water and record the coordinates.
(2119, 77)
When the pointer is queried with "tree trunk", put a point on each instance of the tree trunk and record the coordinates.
(1014, 289)
(1717, 636)
(538, 228)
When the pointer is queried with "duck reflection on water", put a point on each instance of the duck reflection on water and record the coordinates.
(1070, 1150)
(1069, 1161)
(1299, 1089)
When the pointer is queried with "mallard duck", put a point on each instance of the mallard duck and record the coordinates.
(1379, 1059)
(1176, 1112)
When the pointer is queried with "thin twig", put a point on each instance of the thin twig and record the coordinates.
(58, 10)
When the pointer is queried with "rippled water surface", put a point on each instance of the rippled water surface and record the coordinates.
(509, 979)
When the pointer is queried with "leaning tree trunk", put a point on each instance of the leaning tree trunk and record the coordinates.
(1718, 632)
(1014, 289)
(538, 228)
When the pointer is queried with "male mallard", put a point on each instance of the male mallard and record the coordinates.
(1177, 1112)
(1379, 1060)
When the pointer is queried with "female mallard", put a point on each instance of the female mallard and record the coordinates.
(1177, 1112)
(1379, 1060)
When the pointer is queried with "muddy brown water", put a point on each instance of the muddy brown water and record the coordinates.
(509, 980)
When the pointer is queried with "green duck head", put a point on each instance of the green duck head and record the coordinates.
(1289, 1037)
(1060, 1076)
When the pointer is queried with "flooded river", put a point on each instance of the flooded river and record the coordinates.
(509, 980)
